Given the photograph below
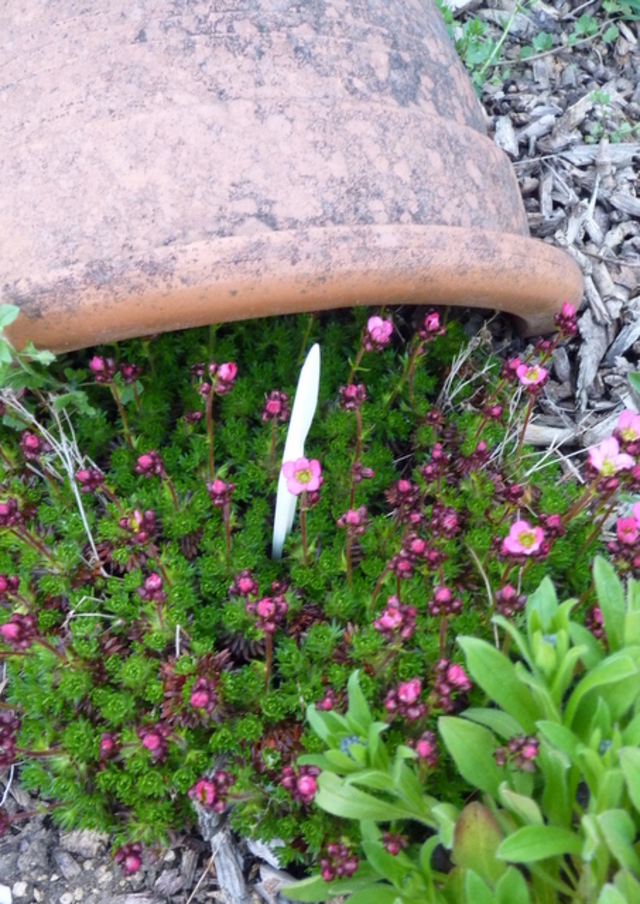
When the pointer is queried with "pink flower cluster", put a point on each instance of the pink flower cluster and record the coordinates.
(444, 602)
(270, 611)
(393, 843)
(276, 407)
(354, 521)
(437, 464)
(566, 321)
(339, 862)
(396, 621)
(431, 327)
(32, 446)
(377, 334)
(360, 473)
(152, 589)
(450, 680)
(521, 752)
(426, 748)
(103, 369)
(108, 746)
(9, 725)
(149, 464)
(222, 377)
(509, 601)
(211, 793)
(220, 492)
(129, 858)
(523, 540)
(8, 585)
(204, 695)
(141, 525)
(9, 514)
(19, 632)
(303, 785)
(328, 701)
(594, 622)
(352, 396)
(244, 584)
(89, 480)
(404, 700)
(154, 739)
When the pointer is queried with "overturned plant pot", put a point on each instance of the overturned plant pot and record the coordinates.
(189, 165)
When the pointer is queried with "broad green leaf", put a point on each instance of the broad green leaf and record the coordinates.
(446, 816)
(592, 837)
(613, 669)
(630, 763)
(472, 747)
(41, 355)
(631, 734)
(377, 752)
(634, 379)
(326, 724)
(632, 629)
(544, 601)
(633, 595)
(8, 313)
(626, 883)
(516, 636)
(426, 853)
(6, 355)
(344, 800)
(496, 675)
(476, 839)
(618, 830)
(501, 723)
(560, 737)
(359, 716)
(342, 762)
(512, 888)
(582, 637)
(611, 601)
(611, 895)
(520, 805)
(611, 789)
(476, 890)
(533, 843)
(376, 894)
(371, 778)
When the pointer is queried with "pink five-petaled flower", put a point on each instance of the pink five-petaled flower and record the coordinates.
(377, 334)
(627, 530)
(129, 857)
(531, 375)
(628, 428)
(523, 540)
(302, 475)
(607, 458)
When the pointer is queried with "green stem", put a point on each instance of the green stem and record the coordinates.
(409, 366)
(26, 537)
(355, 364)
(524, 426)
(172, 490)
(274, 437)
(303, 527)
(347, 553)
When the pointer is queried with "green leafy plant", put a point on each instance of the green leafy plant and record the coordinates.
(554, 757)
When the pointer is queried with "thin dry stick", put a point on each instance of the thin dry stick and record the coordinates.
(207, 870)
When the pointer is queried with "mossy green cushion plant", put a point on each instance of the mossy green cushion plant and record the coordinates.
(159, 661)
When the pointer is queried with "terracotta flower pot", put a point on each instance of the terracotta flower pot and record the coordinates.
(183, 163)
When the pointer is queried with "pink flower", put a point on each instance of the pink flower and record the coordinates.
(566, 320)
(629, 426)
(226, 376)
(129, 856)
(457, 678)
(276, 407)
(409, 691)
(212, 793)
(635, 511)
(377, 335)
(523, 540)
(533, 375)
(607, 458)
(302, 475)
(627, 530)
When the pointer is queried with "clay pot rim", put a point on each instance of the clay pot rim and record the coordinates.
(299, 270)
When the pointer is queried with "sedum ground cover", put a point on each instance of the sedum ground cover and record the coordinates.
(158, 663)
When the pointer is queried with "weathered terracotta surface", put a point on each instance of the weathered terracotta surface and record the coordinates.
(168, 163)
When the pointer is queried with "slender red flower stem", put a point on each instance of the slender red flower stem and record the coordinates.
(303, 527)
(208, 410)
